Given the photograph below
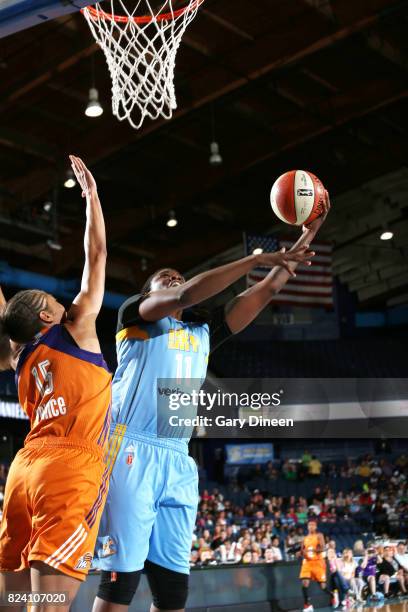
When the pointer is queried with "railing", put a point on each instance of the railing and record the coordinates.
(229, 586)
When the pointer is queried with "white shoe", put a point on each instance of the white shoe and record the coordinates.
(335, 601)
(308, 608)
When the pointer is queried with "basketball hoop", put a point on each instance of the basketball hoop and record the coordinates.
(140, 47)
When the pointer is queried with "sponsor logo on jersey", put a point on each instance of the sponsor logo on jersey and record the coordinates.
(167, 391)
(304, 192)
(85, 561)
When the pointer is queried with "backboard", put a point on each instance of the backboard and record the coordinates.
(16, 15)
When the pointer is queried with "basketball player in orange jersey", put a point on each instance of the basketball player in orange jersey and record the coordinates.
(314, 563)
(57, 483)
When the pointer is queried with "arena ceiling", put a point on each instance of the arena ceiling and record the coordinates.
(311, 84)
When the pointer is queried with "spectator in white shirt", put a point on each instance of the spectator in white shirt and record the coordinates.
(347, 566)
(229, 552)
(401, 556)
(277, 553)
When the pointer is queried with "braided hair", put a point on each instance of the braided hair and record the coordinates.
(20, 319)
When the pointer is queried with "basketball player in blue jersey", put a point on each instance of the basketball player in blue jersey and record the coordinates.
(151, 508)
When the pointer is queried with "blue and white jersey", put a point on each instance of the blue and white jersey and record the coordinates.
(151, 353)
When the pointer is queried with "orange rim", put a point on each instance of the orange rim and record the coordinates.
(98, 14)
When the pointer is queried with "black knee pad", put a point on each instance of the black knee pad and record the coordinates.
(169, 589)
(118, 587)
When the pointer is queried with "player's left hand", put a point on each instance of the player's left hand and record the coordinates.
(315, 225)
(83, 175)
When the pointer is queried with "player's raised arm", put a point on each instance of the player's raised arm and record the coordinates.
(243, 309)
(364, 562)
(161, 303)
(87, 304)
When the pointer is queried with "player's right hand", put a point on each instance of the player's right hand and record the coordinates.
(315, 225)
(283, 258)
(83, 175)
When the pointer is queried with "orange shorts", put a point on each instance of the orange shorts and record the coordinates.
(55, 493)
(313, 570)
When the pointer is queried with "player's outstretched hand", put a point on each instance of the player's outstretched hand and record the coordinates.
(315, 225)
(83, 175)
(283, 258)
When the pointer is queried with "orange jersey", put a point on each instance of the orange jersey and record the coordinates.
(57, 484)
(55, 493)
(64, 390)
(311, 547)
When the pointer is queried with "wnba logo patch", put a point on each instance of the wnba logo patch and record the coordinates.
(85, 561)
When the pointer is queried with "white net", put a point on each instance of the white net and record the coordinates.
(140, 45)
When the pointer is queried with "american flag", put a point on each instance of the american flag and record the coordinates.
(312, 286)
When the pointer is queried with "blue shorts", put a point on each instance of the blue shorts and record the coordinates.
(151, 506)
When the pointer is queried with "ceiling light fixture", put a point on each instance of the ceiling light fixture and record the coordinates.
(215, 156)
(386, 235)
(94, 108)
(70, 181)
(54, 244)
(172, 221)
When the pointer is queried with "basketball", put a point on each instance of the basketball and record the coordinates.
(297, 197)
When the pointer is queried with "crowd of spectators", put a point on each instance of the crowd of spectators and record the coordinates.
(380, 570)
(268, 528)
(309, 466)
